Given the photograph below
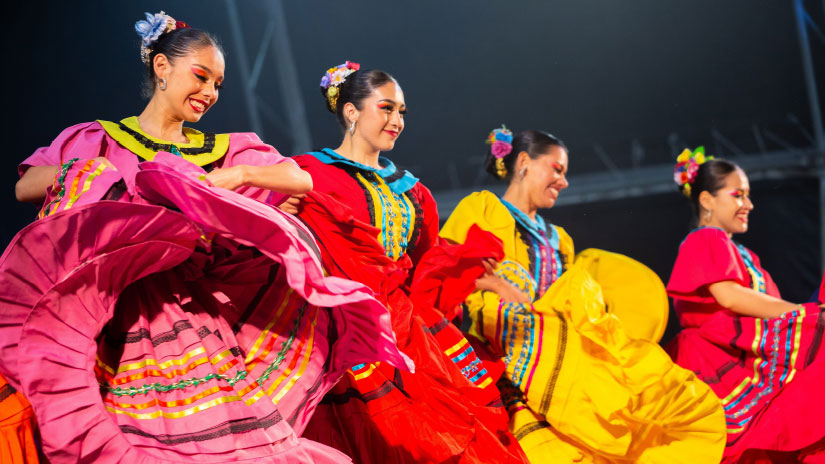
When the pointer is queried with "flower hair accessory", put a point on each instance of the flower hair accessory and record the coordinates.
(501, 144)
(687, 165)
(150, 30)
(333, 79)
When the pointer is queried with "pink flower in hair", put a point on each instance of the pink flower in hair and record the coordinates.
(500, 149)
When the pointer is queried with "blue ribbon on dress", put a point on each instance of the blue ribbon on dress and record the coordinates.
(399, 181)
(537, 228)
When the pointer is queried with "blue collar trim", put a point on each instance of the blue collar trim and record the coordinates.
(537, 228)
(398, 181)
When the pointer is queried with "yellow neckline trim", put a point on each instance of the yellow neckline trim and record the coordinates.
(393, 207)
(208, 147)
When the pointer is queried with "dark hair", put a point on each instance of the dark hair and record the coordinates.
(176, 44)
(357, 86)
(535, 143)
(710, 177)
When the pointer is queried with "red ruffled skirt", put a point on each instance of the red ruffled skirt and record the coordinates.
(449, 410)
(770, 375)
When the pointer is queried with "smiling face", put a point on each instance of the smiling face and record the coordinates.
(545, 176)
(380, 120)
(193, 83)
(730, 206)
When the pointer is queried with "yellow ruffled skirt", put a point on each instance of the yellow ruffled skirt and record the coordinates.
(578, 389)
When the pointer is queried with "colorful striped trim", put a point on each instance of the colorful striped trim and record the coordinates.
(220, 430)
(58, 188)
(744, 401)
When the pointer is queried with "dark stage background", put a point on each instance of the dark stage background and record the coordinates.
(632, 79)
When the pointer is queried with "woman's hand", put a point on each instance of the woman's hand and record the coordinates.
(293, 204)
(507, 292)
(229, 178)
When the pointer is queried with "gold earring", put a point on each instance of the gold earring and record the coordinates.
(162, 83)
(352, 128)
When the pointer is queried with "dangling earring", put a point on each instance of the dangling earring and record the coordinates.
(162, 83)
(523, 172)
(352, 128)
(707, 216)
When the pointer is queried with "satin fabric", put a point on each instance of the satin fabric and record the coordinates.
(764, 370)
(577, 388)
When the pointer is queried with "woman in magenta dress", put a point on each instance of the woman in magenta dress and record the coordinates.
(162, 309)
(378, 224)
(759, 353)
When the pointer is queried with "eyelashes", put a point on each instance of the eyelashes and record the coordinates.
(218, 85)
(390, 108)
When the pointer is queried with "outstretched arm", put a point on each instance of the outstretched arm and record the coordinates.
(32, 186)
(748, 302)
(286, 178)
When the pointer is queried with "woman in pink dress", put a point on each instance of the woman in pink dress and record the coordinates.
(759, 353)
(162, 309)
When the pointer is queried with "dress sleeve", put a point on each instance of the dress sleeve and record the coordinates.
(247, 148)
(83, 141)
(705, 257)
(482, 209)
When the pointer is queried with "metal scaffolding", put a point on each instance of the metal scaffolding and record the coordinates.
(273, 44)
(614, 183)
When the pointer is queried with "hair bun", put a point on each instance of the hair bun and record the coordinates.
(152, 28)
(687, 165)
(332, 81)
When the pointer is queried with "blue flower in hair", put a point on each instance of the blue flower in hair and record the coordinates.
(504, 136)
(150, 29)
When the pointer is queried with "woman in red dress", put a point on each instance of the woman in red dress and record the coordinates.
(375, 223)
(761, 354)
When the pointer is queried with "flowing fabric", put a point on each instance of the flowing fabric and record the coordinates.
(448, 410)
(17, 427)
(764, 370)
(180, 323)
(577, 388)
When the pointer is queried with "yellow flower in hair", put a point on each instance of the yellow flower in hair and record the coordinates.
(684, 156)
(700, 158)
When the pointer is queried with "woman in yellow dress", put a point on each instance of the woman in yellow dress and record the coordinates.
(577, 387)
